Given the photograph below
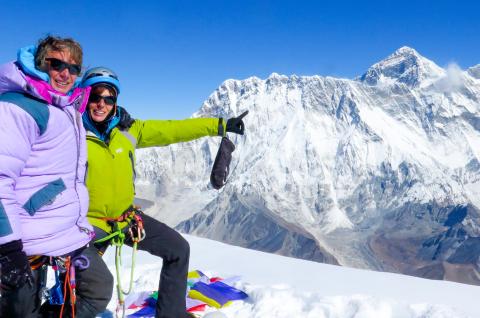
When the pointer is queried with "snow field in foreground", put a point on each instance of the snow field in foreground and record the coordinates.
(281, 287)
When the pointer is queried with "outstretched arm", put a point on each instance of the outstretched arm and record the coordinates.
(151, 133)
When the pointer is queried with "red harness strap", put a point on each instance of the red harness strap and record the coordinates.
(133, 216)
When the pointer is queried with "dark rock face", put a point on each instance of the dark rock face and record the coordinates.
(257, 230)
(448, 250)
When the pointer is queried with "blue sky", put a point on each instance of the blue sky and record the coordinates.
(171, 55)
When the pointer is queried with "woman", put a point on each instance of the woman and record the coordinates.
(112, 137)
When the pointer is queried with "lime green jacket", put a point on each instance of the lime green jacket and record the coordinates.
(111, 168)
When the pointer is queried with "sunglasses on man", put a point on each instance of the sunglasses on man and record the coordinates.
(59, 66)
(108, 100)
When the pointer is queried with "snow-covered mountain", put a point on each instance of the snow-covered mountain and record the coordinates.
(379, 172)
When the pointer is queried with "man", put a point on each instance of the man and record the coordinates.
(43, 199)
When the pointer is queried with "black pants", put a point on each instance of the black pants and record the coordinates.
(94, 291)
(23, 301)
(165, 242)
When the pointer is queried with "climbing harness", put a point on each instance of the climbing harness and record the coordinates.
(136, 233)
(61, 265)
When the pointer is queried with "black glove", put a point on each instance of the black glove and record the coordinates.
(221, 166)
(236, 125)
(14, 267)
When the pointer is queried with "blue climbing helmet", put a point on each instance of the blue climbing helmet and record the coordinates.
(102, 75)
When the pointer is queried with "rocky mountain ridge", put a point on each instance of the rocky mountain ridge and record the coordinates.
(379, 172)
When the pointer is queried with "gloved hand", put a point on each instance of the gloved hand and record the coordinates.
(236, 125)
(14, 267)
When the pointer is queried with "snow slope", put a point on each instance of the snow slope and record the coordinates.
(283, 287)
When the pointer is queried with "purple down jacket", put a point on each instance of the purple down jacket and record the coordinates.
(43, 199)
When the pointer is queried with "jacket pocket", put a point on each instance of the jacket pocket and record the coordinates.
(44, 196)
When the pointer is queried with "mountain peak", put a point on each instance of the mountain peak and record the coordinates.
(405, 66)
(406, 51)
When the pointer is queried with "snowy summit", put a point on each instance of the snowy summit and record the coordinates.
(404, 66)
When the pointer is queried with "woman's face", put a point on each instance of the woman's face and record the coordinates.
(101, 103)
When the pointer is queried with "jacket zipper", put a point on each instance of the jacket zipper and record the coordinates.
(134, 173)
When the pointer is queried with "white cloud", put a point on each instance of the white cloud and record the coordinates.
(453, 79)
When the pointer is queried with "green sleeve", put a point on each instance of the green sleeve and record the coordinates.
(150, 133)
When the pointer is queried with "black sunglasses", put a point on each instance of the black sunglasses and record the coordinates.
(108, 100)
(59, 65)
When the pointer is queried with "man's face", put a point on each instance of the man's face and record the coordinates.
(61, 80)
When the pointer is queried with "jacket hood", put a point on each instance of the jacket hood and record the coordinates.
(26, 60)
